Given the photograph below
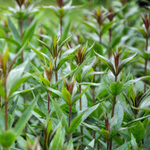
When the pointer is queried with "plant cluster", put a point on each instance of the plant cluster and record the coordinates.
(75, 77)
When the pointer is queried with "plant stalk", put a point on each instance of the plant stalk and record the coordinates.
(114, 101)
(110, 34)
(6, 119)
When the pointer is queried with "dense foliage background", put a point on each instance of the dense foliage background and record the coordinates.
(74, 75)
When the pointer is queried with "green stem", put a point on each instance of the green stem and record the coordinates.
(6, 119)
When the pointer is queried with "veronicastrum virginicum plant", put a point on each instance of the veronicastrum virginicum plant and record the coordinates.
(74, 110)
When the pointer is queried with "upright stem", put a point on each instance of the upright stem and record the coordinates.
(114, 101)
(110, 33)
(6, 126)
(145, 68)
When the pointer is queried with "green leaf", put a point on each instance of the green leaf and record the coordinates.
(55, 91)
(75, 98)
(52, 9)
(5, 58)
(125, 62)
(67, 55)
(39, 54)
(90, 146)
(24, 118)
(138, 131)
(7, 138)
(105, 134)
(66, 95)
(29, 32)
(116, 87)
(89, 111)
(63, 42)
(47, 47)
(90, 26)
(49, 127)
(60, 115)
(49, 30)
(13, 107)
(130, 82)
(45, 81)
(146, 55)
(14, 31)
(133, 142)
(120, 114)
(11, 40)
(75, 123)
(15, 78)
(142, 31)
(57, 141)
(41, 105)
(65, 32)
(107, 62)
(106, 27)
(2, 91)
(123, 147)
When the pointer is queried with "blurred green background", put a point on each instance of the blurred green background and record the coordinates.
(53, 2)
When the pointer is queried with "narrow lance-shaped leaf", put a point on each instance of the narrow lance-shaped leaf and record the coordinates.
(125, 62)
(57, 140)
(60, 115)
(29, 32)
(67, 55)
(14, 78)
(90, 26)
(14, 30)
(47, 47)
(66, 95)
(107, 62)
(24, 118)
(75, 123)
(40, 54)
(63, 43)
